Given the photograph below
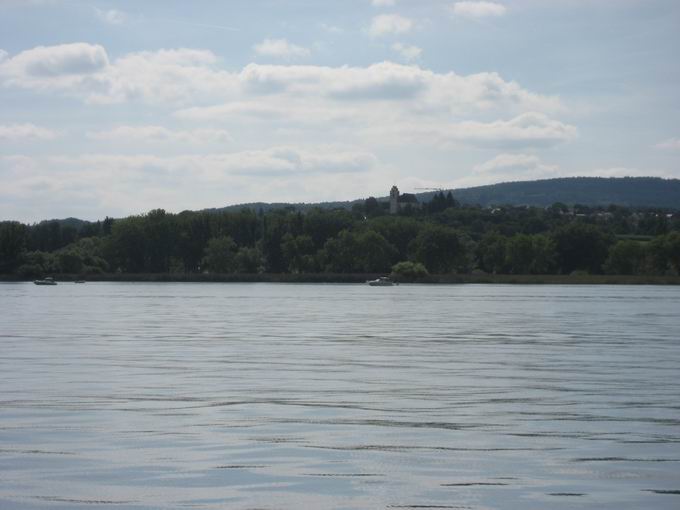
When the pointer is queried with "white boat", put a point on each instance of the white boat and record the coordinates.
(383, 281)
(45, 281)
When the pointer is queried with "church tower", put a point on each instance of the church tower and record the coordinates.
(394, 200)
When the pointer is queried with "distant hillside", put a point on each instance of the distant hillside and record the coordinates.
(627, 191)
(592, 191)
(298, 206)
(67, 222)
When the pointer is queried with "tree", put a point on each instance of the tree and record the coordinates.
(625, 257)
(376, 254)
(673, 247)
(220, 255)
(520, 254)
(581, 246)
(160, 230)
(69, 261)
(544, 253)
(249, 260)
(450, 201)
(663, 252)
(193, 236)
(298, 253)
(363, 252)
(38, 263)
(12, 244)
(491, 253)
(372, 207)
(398, 230)
(439, 248)
(126, 246)
(321, 225)
(409, 271)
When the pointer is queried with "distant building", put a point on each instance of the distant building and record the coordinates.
(400, 201)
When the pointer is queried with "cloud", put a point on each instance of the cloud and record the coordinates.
(111, 16)
(54, 62)
(478, 9)
(671, 143)
(91, 186)
(15, 132)
(403, 102)
(383, 3)
(408, 53)
(389, 24)
(528, 130)
(84, 71)
(280, 48)
(193, 77)
(524, 165)
(391, 103)
(447, 93)
(160, 134)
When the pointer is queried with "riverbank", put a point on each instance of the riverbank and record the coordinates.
(574, 279)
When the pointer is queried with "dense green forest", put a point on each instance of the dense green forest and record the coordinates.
(441, 237)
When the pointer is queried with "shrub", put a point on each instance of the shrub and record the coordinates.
(409, 270)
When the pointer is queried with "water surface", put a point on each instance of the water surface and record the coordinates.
(206, 396)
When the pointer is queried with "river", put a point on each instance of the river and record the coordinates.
(207, 396)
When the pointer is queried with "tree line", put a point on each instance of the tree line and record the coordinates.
(439, 237)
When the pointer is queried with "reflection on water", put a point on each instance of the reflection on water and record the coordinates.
(140, 396)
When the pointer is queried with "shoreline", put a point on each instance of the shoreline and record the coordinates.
(361, 278)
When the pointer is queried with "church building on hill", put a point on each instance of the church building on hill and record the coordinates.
(402, 201)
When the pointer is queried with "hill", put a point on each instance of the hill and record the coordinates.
(639, 192)
(591, 191)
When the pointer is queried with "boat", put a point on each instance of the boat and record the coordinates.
(382, 281)
(79, 281)
(45, 281)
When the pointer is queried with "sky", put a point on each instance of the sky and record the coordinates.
(114, 108)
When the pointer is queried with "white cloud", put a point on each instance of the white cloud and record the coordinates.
(399, 101)
(261, 162)
(193, 77)
(671, 143)
(442, 93)
(390, 24)
(84, 71)
(161, 134)
(528, 130)
(280, 48)
(111, 16)
(408, 53)
(15, 132)
(382, 3)
(3, 55)
(390, 103)
(478, 9)
(91, 186)
(51, 63)
(527, 166)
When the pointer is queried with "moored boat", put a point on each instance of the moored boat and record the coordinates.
(45, 281)
(382, 281)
